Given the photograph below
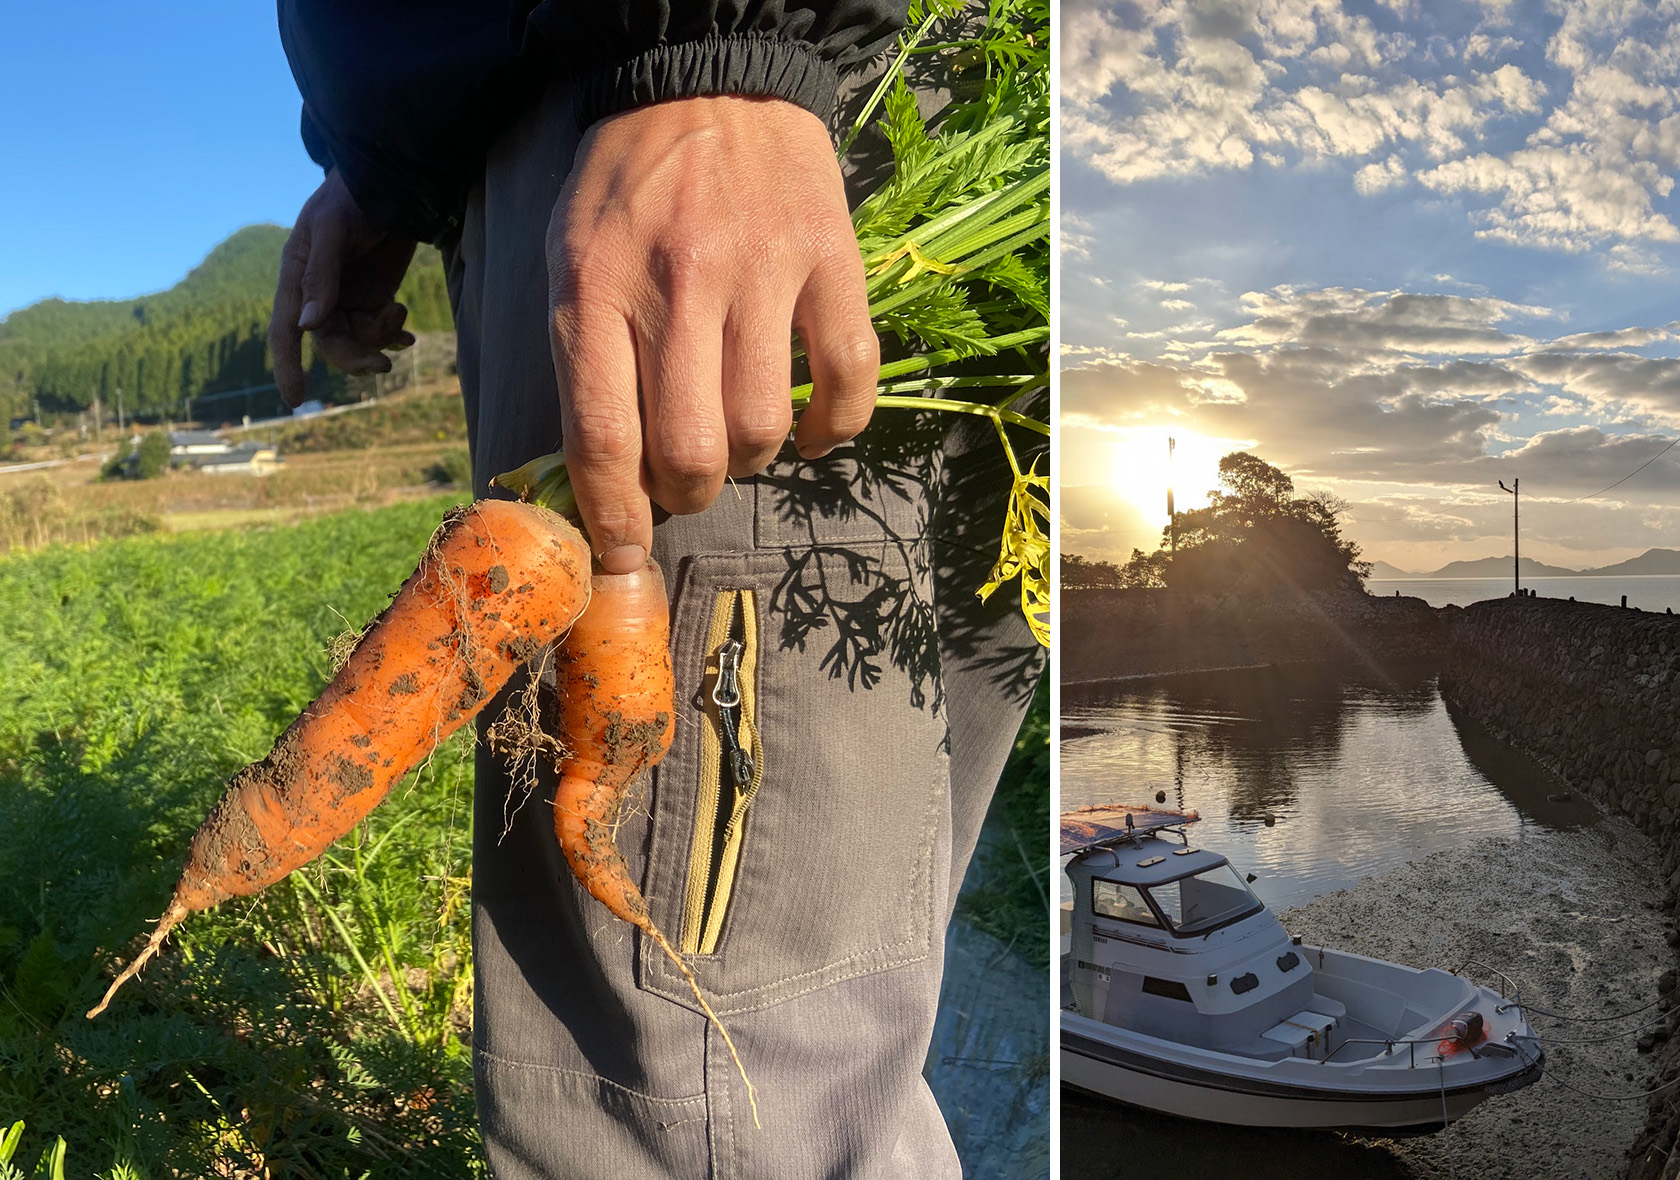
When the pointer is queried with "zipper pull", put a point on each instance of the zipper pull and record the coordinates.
(726, 695)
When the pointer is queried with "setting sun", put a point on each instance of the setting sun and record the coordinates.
(1141, 469)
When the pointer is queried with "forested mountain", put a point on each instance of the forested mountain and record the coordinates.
(204, 335)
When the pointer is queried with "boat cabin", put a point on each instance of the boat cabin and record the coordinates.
(1168, 940)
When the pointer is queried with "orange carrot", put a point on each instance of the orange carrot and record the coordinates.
(498, 583)
(615, 700)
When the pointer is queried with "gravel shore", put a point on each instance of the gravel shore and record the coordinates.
(1575, 919)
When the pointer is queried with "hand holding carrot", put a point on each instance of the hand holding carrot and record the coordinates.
(690, 237)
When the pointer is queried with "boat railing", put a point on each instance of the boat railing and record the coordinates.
(1389, 1043)
(1508, 987)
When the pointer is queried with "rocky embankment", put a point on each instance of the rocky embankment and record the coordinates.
(1593, 692)
(1109, 634)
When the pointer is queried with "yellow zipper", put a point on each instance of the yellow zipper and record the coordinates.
(731, 768)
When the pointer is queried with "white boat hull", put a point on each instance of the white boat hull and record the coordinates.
(1198, 1085)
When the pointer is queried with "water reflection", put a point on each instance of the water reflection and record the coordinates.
(1312, 776)
(1097, 1146)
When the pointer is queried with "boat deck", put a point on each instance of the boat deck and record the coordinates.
(1347, 1029)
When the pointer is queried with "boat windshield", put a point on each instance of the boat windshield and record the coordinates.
(1206, 901)
(1110, 899)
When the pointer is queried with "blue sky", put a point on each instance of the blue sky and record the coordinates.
(137, 136)
(1402, 249)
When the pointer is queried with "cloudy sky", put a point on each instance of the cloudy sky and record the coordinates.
(1402, 249)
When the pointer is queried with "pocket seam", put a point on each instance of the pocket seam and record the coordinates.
(919, 944)
(581, 1075)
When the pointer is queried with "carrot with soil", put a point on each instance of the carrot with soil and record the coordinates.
(498, 582)
(615, 705)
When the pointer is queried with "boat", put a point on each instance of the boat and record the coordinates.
(1183, 994)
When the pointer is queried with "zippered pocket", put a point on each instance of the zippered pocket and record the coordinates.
(731, 768)
(829, 870)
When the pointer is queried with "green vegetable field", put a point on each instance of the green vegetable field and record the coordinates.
(316, 1030)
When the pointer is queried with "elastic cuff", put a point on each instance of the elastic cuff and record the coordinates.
(748, 65)
(314, 142)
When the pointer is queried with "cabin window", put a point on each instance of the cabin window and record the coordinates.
(1172, 989)
(1110, 899)
(1206, 901)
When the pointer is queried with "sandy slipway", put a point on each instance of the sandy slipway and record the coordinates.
(1576, 918)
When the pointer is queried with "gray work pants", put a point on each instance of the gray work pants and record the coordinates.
(885, 698)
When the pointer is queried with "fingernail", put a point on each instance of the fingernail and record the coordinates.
(811, 451)
(310, 311)
(626, 559)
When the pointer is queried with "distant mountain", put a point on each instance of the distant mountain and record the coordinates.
(205, 334)
(1652, 561)
(1498, 567)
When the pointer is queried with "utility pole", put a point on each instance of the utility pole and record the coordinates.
(1172, 517)
(1516, 535)
(120, 426)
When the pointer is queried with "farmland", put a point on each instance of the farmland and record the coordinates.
(399, 448)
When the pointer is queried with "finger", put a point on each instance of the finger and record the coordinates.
(381, 329)
(757, 370)
(595, 369)
(832, 318)
(321, 276)
(685, 445)
(285, 338)
(341, 348)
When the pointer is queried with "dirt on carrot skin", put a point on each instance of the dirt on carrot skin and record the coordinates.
(634, 742)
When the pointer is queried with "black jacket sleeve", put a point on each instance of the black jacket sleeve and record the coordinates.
(404, 96)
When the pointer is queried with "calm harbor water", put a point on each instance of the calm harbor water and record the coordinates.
(1312, 777)
(1656, 592)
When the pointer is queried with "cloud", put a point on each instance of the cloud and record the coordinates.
(1176, 88)
(1563, 198)
(1375, 178)
(1075, 238)
(1361, 323)
(1428, 395)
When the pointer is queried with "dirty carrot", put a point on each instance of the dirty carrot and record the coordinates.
(615, 704)
(498, 583)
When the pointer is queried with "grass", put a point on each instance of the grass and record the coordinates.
(425, 416)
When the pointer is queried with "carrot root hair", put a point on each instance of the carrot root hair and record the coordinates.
(671, 953)
(171, 916)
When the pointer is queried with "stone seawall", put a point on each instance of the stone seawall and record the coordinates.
(1108, 634)
(1594, 693)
